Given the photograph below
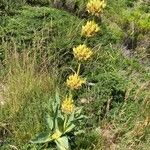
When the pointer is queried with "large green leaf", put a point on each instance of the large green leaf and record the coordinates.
(60, 123)
(57, 98)
(56, 118)
(50, 121)
(54, 107)
(71, 118)
(62, 143)
(42, 138)
(70, 128)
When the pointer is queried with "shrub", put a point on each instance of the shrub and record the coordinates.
(10, 6)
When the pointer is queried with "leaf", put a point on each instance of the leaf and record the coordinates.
(54, 106)
(81, 117)
(79, 132)
(60, 115)
(70, 128)
(78, 110)
(42, 138)
(62, 143)
(50, 121)
(60, 123)
(55, 118)
(71, 118)
(56, 124)
(57, 98)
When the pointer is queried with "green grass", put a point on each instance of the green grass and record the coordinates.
(36, 57)
(25, 95)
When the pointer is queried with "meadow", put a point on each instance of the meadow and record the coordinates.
(84, 87)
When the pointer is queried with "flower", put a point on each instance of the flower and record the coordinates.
(82, 52)
(67, 105)
(75, 81)
(56, 135)
(90, 29)
(95, 7)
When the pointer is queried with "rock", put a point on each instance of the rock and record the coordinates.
(58, 3)
(70, 5)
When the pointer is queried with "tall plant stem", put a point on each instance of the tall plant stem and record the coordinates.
(79, 66)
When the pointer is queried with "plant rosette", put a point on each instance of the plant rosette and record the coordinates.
(60, 125)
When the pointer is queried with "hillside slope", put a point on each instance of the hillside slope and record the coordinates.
(36, 42)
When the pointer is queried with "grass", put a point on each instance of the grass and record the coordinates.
(36, 57)
(27, 93)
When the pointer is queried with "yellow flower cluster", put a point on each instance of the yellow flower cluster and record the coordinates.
(82, 52)
(90, 29)
(75, 81)
(95, 7)
(56, 135)
(68, 105)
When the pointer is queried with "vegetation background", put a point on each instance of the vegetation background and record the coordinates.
(36, 40)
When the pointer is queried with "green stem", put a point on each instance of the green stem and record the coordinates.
(65, 122)
(70, 92)
(86, 41)
(79, 66)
